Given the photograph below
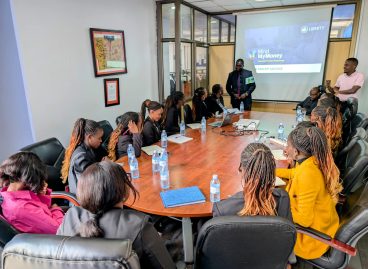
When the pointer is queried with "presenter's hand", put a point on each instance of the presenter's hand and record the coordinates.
(243, 96)
(236, 95)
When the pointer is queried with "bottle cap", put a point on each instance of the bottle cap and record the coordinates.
(214, 176)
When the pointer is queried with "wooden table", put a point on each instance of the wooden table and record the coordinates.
(193, 164)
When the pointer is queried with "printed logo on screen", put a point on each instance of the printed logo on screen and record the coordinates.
(306, 29)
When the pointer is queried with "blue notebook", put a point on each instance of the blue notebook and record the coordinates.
(184, 196)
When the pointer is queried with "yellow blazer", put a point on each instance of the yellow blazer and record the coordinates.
(311, 206)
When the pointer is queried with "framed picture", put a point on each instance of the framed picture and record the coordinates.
(112, 95)
(108, 52)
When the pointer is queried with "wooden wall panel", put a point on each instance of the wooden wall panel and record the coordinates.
(338, 52)
(220, 64)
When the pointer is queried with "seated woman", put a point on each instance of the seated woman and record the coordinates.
(215, 98)
(199, 106)
(329, 120)
(313, 187)
(83, 150)
(259, 196)
(151, 127)
(102, 190)
(26, 200)
(128, 131)
(172, 116)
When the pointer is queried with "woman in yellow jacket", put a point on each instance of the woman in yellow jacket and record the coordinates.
(313, 187)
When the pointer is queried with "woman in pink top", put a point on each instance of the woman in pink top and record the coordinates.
(26, 201)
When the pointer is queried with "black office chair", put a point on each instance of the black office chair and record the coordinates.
(349, 113)
(188, 114)
(245, 242)
(359, 120)
(353, 226)
(38, 251)
(51, 152)
(107, 129)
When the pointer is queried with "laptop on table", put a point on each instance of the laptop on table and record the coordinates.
(226, 120)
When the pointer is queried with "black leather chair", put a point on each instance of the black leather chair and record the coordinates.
(51, 152)
(358, 121)
(245, 242)
(188, 114)
(349, 113)
(353, 226)
(36, 251)
(107, 129)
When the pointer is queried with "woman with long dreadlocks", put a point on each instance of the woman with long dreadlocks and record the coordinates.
(313, 187)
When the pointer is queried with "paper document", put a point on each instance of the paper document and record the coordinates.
(278, 141)
(247, 124)
(150, 149)
(234, 111)
(279, 182)
(279, 154)
(194, 125)
(178, 139)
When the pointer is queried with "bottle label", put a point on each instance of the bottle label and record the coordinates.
(214, 190)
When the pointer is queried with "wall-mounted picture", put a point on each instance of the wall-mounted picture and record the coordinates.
(112, 95)
(108, 52)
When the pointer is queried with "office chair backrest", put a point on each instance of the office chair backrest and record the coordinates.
(188, 114)
(260, 242)
(7, 232)
(35, 251)
(107, 129)
(353, 226)
(355, 171)
(51, 152)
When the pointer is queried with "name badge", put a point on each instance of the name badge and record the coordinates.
(249, 80)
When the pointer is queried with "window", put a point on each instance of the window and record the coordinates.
(224, 32)
(186, 22)
(342, 21)
(186, 69)
(215, 29)
(201, 67)
(168, 20)
(169, 67)
(232, 33)
(200, 24)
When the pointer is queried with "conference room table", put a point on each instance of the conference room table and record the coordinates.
(193, 163)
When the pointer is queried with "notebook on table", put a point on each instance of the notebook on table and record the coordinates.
(183, 196)
(179, 139)
(279, 182)
(150, 149)
(278, 154)
(194, 125)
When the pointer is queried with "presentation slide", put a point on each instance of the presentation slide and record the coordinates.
(287, 49)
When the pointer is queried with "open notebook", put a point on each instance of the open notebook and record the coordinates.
(279, 182)
(150, 149)
(178, 139)
(278, 154)
(194, 125)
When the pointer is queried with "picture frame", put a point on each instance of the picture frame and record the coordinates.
(108, 52)
(111, 92)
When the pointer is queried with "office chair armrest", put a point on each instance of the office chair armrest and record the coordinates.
(66, 196)
(326, 239)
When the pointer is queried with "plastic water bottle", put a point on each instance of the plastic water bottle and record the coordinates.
(215, 189)
(203, 125)
(241, 106)
(165, 177)
(134, 169)
(164, 139)
(280, 131)
(164, 159)
(182, 128)
(155, 162)
(299, 114)
(130, 152)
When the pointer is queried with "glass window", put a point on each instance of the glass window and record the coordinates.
(342, 21)
(186, 22)
(186, 69)
(232, 33)
(168, 20)
(168, 62)
(201, 67)
(224, 32)
(215, 29)
(200, 24)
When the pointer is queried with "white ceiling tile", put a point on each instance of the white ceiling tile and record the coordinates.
(204, 4)
(228, 2)
(215, 9)
(262, 4)
(296, 2)
(192, 1)
(237, 7)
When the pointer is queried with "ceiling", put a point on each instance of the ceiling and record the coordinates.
(230, 5)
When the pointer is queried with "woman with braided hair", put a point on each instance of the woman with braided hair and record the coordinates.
(259, 196)
(313, 187)
(102, 190)
(329, 120)
(83, 150)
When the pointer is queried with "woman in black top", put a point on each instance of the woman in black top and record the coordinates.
(215, 98)
(172, 115)
(102, 190)
(151, 127)
(200, 109)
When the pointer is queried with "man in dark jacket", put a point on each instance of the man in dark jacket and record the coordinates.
(311, 101)
(240, 85)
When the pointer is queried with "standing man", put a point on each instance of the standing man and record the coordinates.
(240, 85)
(349, 83)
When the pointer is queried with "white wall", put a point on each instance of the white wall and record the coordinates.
(362, 55)
(58, 68)
(15, 126)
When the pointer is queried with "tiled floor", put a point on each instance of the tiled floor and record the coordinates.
(361, 260)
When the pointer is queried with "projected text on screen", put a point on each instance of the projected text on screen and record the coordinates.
(288, 48)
